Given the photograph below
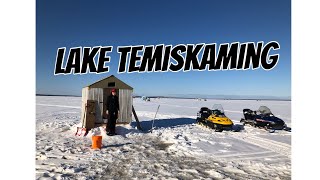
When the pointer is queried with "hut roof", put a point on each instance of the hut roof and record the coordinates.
(110, 82)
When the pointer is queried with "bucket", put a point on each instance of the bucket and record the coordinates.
(96, 142)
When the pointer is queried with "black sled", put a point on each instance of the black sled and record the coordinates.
(263, 118)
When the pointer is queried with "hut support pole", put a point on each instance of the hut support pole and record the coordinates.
(136, 117)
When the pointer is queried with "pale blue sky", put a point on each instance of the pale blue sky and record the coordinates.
(118, 23)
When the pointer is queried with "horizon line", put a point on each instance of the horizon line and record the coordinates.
(193, 97)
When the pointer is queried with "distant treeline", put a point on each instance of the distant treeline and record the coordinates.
(175, 97)
(57, 95)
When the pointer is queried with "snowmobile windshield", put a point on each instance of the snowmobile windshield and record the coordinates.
(218, 107)
(218, 113)
(264, 110)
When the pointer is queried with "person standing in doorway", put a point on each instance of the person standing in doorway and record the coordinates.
(112, 112)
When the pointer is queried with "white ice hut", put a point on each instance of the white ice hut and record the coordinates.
(94, 98)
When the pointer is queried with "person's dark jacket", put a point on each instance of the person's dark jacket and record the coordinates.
(113, 103)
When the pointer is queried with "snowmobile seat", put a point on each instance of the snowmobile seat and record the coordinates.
(248, 114)
(205, 112)
(204, 109)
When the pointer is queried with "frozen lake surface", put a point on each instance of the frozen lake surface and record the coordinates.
(177, 148)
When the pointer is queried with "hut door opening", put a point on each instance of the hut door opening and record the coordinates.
(90, 114)
(106, 94)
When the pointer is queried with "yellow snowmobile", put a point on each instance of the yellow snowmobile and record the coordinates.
(215, 118)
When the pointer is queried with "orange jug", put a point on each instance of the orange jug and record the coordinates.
(96, 142)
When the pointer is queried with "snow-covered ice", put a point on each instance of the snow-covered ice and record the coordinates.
(176, 149)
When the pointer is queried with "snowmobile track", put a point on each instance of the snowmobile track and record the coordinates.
(250, 156)
(275, 146)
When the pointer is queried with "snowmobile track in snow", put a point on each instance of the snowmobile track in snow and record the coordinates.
(275, 146)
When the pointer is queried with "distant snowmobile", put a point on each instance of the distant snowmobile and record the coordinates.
(144, 98)
(215, 118)
(263, 117)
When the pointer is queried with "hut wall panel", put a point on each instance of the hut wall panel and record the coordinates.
(125, 103)
(83, 104)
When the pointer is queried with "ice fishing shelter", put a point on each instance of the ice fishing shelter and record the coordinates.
(94, 98)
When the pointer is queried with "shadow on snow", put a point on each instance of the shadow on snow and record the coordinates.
(164, 123)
